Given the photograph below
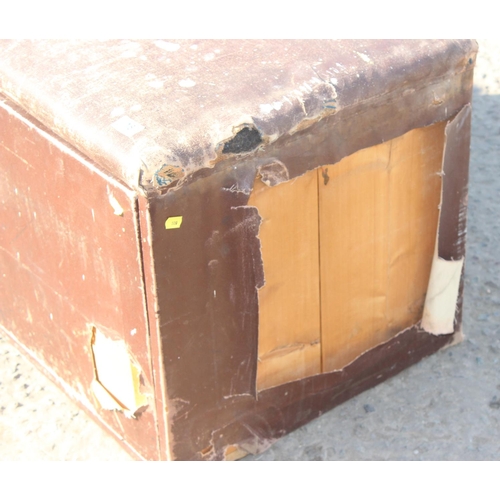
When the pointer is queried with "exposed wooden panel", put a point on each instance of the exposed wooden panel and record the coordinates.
(378, 221)
(353, 225)
(289, 309)
(415, 193)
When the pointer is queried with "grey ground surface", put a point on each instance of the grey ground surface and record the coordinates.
(447, 407)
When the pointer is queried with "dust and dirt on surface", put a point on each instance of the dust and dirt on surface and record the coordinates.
(446, 407)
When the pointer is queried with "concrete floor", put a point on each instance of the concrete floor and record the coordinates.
(446, 407)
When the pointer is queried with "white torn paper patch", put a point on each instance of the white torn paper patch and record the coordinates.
(127, 126)
(117, 384)
(442, 295)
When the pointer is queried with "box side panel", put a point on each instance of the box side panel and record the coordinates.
(71, 276)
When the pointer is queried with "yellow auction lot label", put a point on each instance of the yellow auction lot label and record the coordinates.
(173, 222)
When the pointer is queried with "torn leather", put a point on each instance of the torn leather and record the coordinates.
(441, 303)
(117, 384)
(184, 103)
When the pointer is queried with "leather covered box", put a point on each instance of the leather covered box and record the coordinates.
(209, 243)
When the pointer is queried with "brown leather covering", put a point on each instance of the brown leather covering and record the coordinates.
(201, 279)
(192, 95)
(69, 263)
(455, 187)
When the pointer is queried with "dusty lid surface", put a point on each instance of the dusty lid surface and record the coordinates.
(146, 106)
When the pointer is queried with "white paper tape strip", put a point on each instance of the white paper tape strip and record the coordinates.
(442, 295)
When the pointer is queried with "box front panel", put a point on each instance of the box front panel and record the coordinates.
(216, 329)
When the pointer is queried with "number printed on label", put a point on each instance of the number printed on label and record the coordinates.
(173, 222)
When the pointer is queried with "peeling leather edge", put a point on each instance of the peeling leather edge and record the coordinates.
(386, 343)
(452, 224)
(127, 166)
(280, 404)
(273, 153)
(443, 290)
(347, 365)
